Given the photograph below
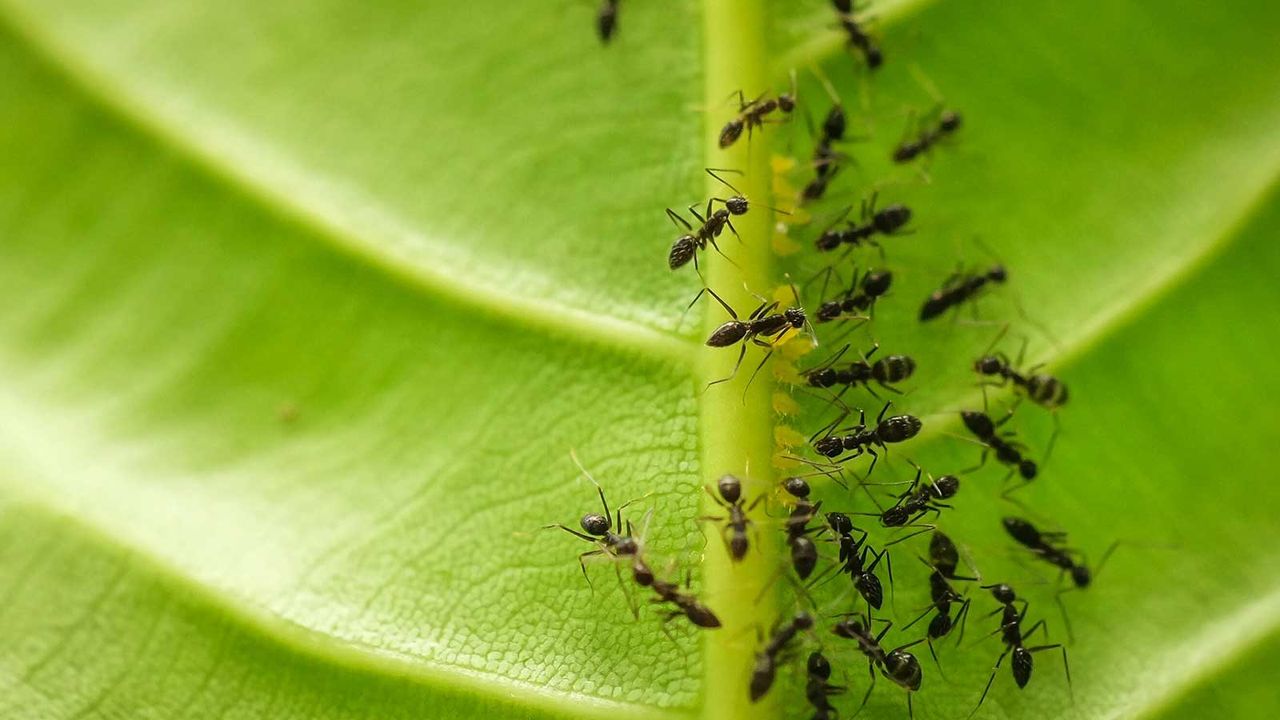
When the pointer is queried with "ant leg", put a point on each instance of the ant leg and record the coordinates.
(679, 221)
(1065, 666)
(1062, 608)
(990, 680)
(1053, 439)
(981, 462)
(923, 615)
(631, 601)
(582, 563)
(961, 617)
(883, 410)
(572, 532)
(723, 304)
(716, 246)
(755, 372)
(712, 172)
(741, 353)
(872, 672)
(733, 230)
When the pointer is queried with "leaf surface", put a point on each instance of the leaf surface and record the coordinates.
(306, 303)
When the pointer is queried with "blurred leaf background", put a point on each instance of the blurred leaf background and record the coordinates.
(306, 302)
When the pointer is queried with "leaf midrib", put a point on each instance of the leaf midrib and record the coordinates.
(99, 89)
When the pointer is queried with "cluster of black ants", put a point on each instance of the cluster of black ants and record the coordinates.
(768, 327)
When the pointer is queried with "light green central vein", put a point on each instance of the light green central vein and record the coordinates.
(736, 430)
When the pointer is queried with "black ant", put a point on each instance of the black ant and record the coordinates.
(920, 499)
(600, 531)
(944, 559)
(897, 665)
(804, 554)
(1047, 546)
(736, 522)
(885, 372)
(767, 659)
(886, 221)
(853, 560)
(855, 302)
(863, 439)
(818, 688)
(669, 592)
(1044, 390)
(763, 322)
(753, 114)
(1008, 452)
(857, 35)
(825, 157)
(1014, 639)
(958, 289)
(948, 122)
(686, 247)
(607, 20)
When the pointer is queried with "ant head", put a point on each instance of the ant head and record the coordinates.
(627, 546)
(1027, 469)
(1081, 576)
(834, 125)
(730, 488)
(803, 620)
(877, 283)
(787, 100)
(978, 423)
(736, 205)
(818, 667)
(840, 523)
(795, 317)
(989, 365)
(895, 516)
(796, 487)
(950, 121)
(843, 6)
(682, 251)
(997, 273)
(946, 486)
(596, 524)
(874, 57)
(821, 377)
(828, 446)
(731, 132)
(1003, 593)
(892, 218)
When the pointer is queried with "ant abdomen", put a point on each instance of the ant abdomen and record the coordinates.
(728, 334)
(893, 369)
(898, 428)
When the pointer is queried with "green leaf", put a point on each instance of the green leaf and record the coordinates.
(306, 303)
